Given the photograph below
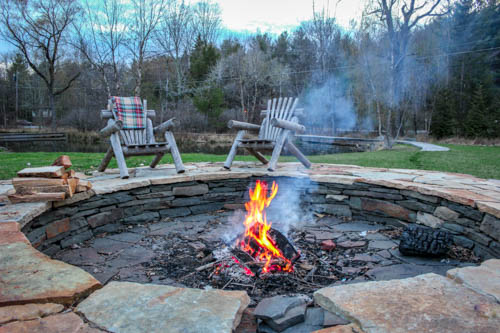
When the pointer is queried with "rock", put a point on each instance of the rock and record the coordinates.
(381, 244)
(384, 207)
(131, 307)
(333, 209)
(323, 234)
(426, 303)
(351, 270)
(198, 246)
(429, 220)
(315, 316)
(483, 279)
(331, 319)
(60, 323)
(350, 328)
(30, 277)
(403, 271)
(336, 197)
(57, 227)
(189, 191)
(328, 245)
(491, 226)
(78, 238)
(28, 311)
(100, 219)
(349, 244)
(142, 218)
(276, 307)
(293, 316)
(365, 258)
(175, 212)
(446, 214)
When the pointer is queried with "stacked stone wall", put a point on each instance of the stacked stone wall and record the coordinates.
(79, 221)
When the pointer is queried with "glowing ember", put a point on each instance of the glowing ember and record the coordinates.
(256, 240)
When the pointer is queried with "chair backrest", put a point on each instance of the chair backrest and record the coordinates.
(281, 108)
(135, 136)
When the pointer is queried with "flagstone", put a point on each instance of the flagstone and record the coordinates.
(28, 276)
(132, 307)
(426, 303)
(484, 279)
(28, 311)
(60, 323)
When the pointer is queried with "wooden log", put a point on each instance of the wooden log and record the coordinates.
(43, 189)
(73, 183)
(174, 151)
(47, 172)
(295, 151)
(258, 155)
(37, 197)
(112, 127)
(288, 125)
(242, 125)
(83, 185)
(35, 181)
(169, 124)
(105, 161)
(156, 160)
(64, 161)
(106, 114)
(120, 158)
(234, 149)
(277, 149)
(71, 173)
(297, 113)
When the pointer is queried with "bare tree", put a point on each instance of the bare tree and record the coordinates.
(143, 21)
(101, 34)
(175, 37)
(38, 30)
(399, 18)
(207, 20)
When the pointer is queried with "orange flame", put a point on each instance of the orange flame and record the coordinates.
(257, 227)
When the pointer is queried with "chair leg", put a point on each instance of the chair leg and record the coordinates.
(234, 150)
(156, 160)
(169, 136)
(258, 155)
(295, 151)
(105, 161)
(120, 158)
(278, 147)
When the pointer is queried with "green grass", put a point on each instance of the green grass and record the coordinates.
(479, 161)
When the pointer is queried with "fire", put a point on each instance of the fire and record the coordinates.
(256, 240)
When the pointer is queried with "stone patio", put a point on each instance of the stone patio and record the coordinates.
(38, 294)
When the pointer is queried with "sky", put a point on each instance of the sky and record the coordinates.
(275, 16)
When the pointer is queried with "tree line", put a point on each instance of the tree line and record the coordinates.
(407, 67)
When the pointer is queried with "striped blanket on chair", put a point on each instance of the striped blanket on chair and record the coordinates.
(130, 111)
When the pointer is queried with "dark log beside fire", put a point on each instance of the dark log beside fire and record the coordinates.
(424, 241)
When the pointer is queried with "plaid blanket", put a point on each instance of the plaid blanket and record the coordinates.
(130, 111)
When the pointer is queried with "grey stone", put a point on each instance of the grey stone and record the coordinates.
(463, 242)
(293, 316)
(453, 228)
(429, 220)
(317, 199)
(467, 211)
(189, 191)
(205, 208)
(156, 204)
(78, 238)
(130, 256)
(103, 218)
(491, 226)
(44, 219)
(128, 237)
(419, 196)
(337, 210)
(107, 228)
(136, 202)
(51, 250)
(77, 223)
(331, 319)
(446, 214)
(139, 191)
(223, 189)
(381, 219)
(277, 306)
(402, 271)
(65, 211)
(315, 316)
(191, 201)
(356, 226)
(495, 248)
(107, 208)
(378, 195)
(160, 188)
(132, 307)
(119, 197)
(165, 194)
(142, 218)
(384, 190)
(483, 252)
(175, 212)
(335, 197)
(37, 235)
(108, 246)
(477, 237)
(83, 213)
(423, 261)
(99, 201)
(131, 211)
(465, 222)
(416, 206)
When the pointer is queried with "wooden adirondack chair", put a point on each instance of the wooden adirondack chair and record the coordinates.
(138, 142)
(280, 121)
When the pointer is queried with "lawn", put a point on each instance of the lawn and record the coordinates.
(479, 161)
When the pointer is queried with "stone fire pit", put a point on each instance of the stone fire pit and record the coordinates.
(36, 291)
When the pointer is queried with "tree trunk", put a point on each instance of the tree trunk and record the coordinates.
(52, 107)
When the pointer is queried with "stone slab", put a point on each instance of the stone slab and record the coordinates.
(23, 213)
(28, 311)
(60, 323)
(28, 276)
(492, 208)
(426, 303)
(484, 279)
(131, 307)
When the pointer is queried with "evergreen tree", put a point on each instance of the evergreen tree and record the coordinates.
(203, 59)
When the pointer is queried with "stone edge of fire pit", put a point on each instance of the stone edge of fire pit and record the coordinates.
(481, 194)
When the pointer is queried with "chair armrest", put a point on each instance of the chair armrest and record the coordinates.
(242, 125)
(113, 126)
(161, 129)
(289, 125)
(106, 114)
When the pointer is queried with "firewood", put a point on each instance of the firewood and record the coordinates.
(64, 161)
(36, 181)
(71, 173)
(47, 172)
(44, 189)
(72, 184)
(36, 197)
(83, 186)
